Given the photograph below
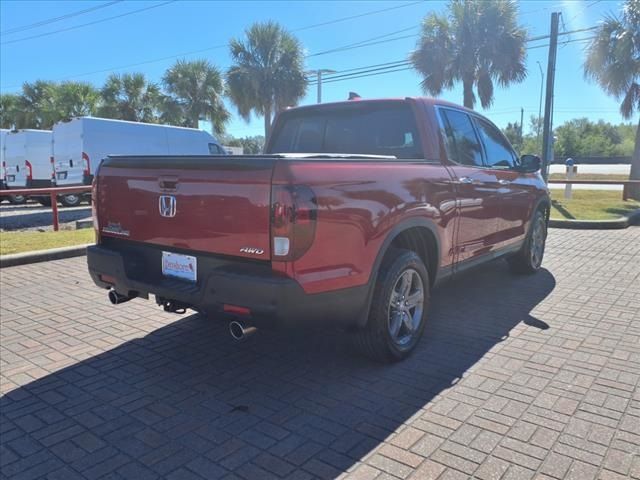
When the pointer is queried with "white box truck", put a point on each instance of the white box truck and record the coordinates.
(81, 143)
(27, 155)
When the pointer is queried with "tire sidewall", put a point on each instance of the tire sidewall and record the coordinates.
(389, 276)
(64, 201)
(539, 216)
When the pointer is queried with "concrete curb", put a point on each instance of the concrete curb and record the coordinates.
(622, 222)
(43, 255)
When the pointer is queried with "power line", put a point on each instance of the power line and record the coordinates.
(215, 47)
(397, 66)
(344, 19)
(57, 19)
(87, 24)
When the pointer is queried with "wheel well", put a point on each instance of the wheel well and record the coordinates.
(421, 241)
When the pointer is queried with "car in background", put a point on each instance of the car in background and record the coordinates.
(81, 143)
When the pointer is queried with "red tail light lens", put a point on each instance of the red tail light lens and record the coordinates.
(86, 163)
(94, 209)
(294, 213)
(29, 170)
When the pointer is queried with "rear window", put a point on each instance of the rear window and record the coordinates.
(380, 129)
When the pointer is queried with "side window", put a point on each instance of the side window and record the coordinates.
(462, 143)
(499, 152)
(215, 149)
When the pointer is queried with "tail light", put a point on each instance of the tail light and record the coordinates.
(86, 163)
(294, 213)
(94, 209)
(27, 164)
(53, 169)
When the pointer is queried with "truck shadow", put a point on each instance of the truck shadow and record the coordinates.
(186, 395)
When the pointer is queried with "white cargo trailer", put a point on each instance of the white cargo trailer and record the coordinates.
(27, 155)
(81, 143)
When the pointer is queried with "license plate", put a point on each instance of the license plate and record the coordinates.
(62, 175)
(11, 178)
(175, 265)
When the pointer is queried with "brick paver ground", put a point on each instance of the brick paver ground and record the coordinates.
(516, 378)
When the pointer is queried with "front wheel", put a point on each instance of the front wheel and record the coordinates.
(71, 200)
(398, 309)
(529, 258)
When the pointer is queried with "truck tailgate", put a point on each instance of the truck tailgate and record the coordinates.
(218, 205)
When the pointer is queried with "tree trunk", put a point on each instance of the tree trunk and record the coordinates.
(195, 121)
(267, 122)
(634, 190)
(467, 88)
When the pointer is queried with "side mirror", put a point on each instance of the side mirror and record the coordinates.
(530, 163)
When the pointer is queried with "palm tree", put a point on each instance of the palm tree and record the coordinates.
(130, 97)
(9, 110)
(76, 99)
(268, 72)
(477, 43)
(197, 88)
(613, 61)
(36, 106)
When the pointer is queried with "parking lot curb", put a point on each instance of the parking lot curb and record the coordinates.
(623, 222)
(43, 255)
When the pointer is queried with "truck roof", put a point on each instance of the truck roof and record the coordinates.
(422, 100)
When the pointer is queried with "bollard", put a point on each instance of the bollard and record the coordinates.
(54, 210)
(572, 170)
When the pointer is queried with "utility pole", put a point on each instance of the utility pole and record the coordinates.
(521, 125)
(540, 103)
(547, 133)
(318, 73)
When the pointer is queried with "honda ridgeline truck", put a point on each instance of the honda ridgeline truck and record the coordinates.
(355, 211)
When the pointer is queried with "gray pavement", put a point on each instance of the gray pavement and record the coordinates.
(516, 378)
(33, 216)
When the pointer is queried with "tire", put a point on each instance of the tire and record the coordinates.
(44, 201)
(529, 259)
(17, 199)
(377, 339)
(71, 200)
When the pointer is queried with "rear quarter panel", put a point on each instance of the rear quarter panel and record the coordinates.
(359, 203)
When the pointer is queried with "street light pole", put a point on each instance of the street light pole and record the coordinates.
(540, 105)
(318, 73)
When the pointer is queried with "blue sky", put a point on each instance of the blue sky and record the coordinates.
(147, 38)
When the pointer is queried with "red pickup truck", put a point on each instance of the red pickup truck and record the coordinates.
(355, 211)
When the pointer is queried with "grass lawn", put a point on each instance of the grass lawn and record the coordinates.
(590, 205)
(18, 242)
(591, 176)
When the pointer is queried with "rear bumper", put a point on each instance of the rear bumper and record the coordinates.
(274, 301)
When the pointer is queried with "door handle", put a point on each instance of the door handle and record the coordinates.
(504, 182)
(465, 180)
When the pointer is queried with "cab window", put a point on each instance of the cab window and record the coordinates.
(497, 149)
(462, 143)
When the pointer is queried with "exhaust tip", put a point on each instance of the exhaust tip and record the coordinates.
(116, 298)
(239, 332)
(113, 297)
(236, 330)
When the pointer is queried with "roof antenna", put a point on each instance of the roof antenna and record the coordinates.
(354, 96)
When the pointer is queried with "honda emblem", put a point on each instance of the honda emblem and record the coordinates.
(167, 205)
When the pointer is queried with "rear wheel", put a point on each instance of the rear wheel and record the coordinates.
(44, 201)
(71, 200)
(398, 309)
(17, 199)
(529, 258)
